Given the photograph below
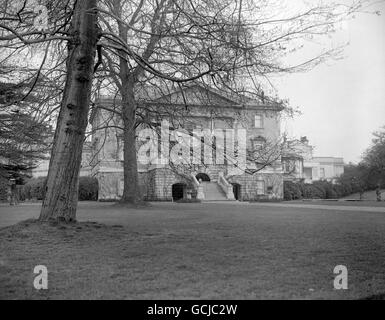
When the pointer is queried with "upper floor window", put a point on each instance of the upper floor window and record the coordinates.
(258, 121)
(120, 148)
(289, 166)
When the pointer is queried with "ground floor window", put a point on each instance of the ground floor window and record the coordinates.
(260, 187)
(120, 187)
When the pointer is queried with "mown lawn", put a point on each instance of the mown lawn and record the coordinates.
(193, 251)
(364, 203)
(368, 195)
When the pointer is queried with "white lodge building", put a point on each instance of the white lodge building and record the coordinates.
(213, 177)
(299, 164)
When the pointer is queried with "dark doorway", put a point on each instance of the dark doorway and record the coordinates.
(237, 191)
(178, 190)
(203, 177)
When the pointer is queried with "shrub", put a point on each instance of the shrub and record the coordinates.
(340, 190)
(328, 189)
(291, 191)
(346, 188)
(88, 189)
(318, 190)
(3, 189)
(312, 192)
(35, 189)
(321, 191)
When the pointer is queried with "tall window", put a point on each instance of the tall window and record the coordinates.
(119, 148)
(322, 172)
(289, 166)
(258, 143)
(258, 121)
(120, 187)
(260, 187)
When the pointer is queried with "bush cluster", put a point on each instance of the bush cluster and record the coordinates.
(3, 189)
(88, 189)
(35, 189)
(319, 190)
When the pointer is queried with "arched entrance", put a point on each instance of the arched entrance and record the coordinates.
(203, 177)
(178, 191)
(237, 191)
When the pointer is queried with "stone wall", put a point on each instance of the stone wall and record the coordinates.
(111, 185)
(273, 186)
(156, 185)
(160, 183)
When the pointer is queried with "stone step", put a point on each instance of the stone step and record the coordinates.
(213, 192)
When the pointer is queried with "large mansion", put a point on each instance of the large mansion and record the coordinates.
(201, 127)
(218, 174)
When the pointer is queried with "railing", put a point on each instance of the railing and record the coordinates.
(198, 187)
(226, 186)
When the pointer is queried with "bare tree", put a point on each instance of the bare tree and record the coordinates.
(234, 46)
(27, 26)
(374, 158)
(60, 203)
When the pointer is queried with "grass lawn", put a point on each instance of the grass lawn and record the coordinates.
(368, 195)
(363, 203)
(193, 251)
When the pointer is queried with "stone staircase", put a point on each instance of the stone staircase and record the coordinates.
(213, 192)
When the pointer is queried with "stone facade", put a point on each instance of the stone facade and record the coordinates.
(272, 182)
(196, 108)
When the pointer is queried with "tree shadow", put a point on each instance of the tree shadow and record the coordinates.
(378, 296)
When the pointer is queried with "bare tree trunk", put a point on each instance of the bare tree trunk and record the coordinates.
(63, 176)
(131, 191)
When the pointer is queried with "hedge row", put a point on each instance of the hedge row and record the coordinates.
(3, 189)
(35, 189)
(318, 190)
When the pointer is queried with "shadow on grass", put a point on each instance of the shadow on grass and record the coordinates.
(128, 205)
(379, 296)
(55, 224)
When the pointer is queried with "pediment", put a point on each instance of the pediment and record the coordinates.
(196, 95)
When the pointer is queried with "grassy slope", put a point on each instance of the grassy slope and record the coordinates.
(339, 203)
(368, 195)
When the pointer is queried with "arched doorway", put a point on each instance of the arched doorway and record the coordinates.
(203, 177)
(178, 191)
(237, 191)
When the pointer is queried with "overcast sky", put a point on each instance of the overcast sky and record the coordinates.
(343, 101)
